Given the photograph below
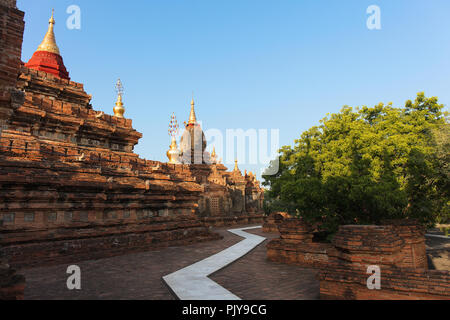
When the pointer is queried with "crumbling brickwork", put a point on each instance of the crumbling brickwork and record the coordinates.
(71, 186)
(12, 26)
(296, 246)
(403, 275)
(11, 33)
(272, 221)
(69, 170)
(397, 248)
(414, 249)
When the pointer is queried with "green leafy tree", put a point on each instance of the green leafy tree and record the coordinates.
(366, 165)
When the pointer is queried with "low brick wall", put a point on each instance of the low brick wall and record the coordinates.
(396, 250)
(38, 247)
(307, 254)
(272, 222)
(345, 283)
(414, 249)
(225, 221)
(295, 245)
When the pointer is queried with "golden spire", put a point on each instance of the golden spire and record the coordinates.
(49, 42)
(214, 156)
(192, 117)
(236, 168)
(119, 110)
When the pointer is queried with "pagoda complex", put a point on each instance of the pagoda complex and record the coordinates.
(71, 186)
(227, 197)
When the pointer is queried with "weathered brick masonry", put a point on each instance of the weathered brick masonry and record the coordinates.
(404, 274)
(296, 246)
(12, 285)
(12, 26)
(398, 248)
(272, 221)
(68, 174)
(11, 32)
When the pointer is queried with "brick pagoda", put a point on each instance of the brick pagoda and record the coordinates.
(71, 186)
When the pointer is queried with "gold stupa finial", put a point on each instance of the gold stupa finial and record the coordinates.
(214, 156)
(119, 110)
(192, 117)
(236, 167)
(52, 18)
(49, 42)
(173, 153)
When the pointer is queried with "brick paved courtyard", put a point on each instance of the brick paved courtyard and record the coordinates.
(139, 275)
(255, 278)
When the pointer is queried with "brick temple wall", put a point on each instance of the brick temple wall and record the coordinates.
(71, 186)
(403, 275)
(57, 211)
(11, 34)
(93, 241)
(12, 25)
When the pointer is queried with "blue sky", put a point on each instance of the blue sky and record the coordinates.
(251, 64)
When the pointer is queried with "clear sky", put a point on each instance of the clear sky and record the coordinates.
(251, 64)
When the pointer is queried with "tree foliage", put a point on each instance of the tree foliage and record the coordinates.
(364, 165)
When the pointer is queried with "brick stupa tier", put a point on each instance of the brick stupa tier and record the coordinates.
(48, 62)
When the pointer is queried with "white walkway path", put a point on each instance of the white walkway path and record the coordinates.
(437, 236)
(192, 282)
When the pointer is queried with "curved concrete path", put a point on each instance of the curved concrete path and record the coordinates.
(192, 282)
(437, 236)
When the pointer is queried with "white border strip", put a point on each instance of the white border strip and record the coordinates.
(192, 282)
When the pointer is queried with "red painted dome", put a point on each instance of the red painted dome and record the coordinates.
(47, 57)
(49, 62)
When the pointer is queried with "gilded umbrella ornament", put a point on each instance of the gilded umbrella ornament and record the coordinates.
(173, 153)
(119, 110)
